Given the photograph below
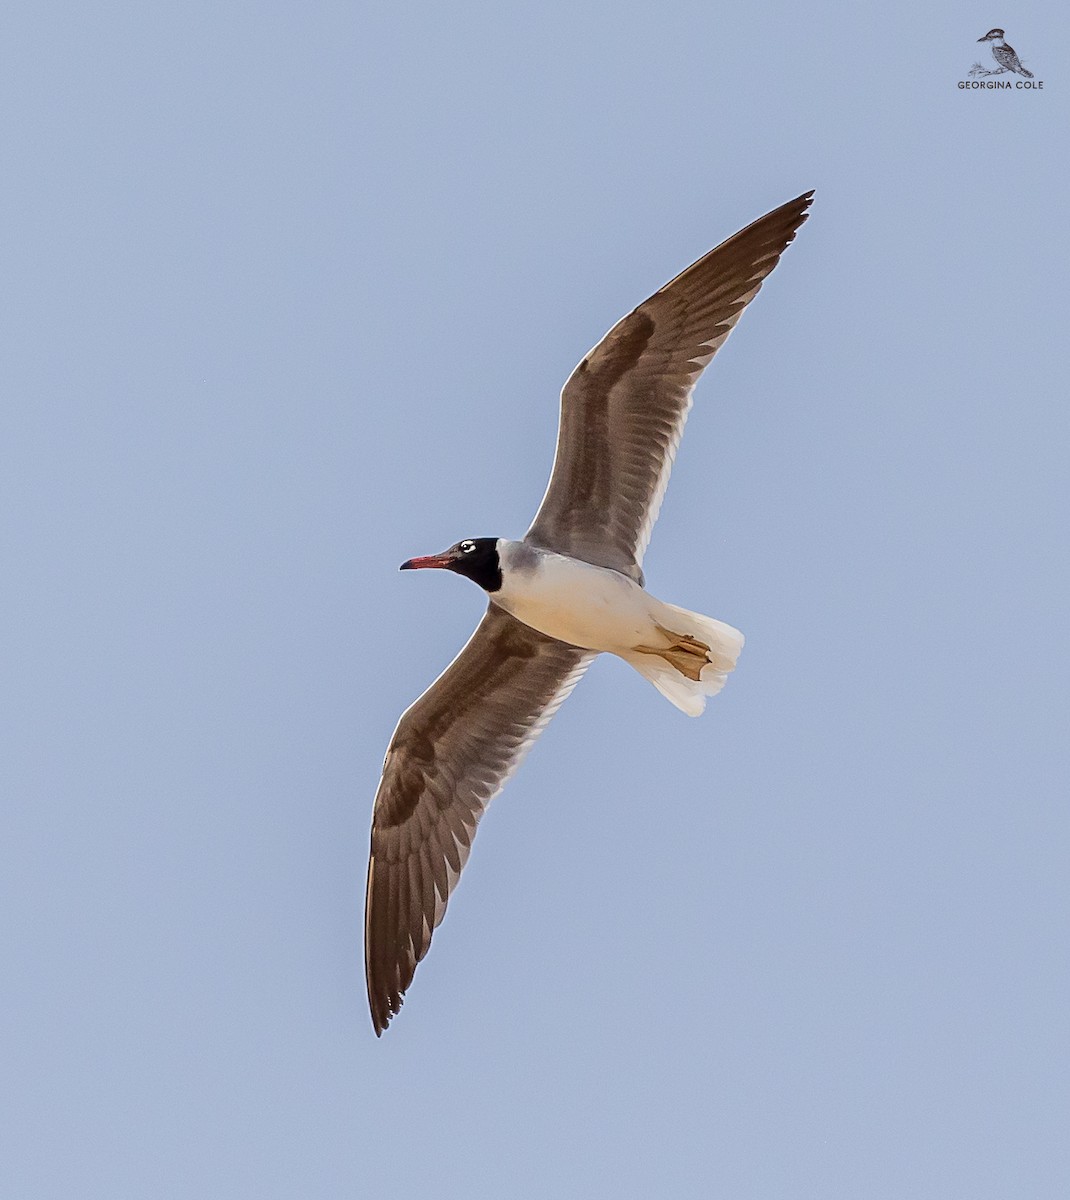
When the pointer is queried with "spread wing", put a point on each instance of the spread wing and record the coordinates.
(624, 407)
(451, 754)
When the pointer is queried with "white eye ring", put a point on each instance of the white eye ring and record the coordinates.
(467, 547)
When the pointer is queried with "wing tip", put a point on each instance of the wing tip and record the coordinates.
(384, 1004)
(799, 207)
(779, 224)
(385, 998)
(383, 1001)
(381, 1018)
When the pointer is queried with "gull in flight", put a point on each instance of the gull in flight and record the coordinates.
(571, 588)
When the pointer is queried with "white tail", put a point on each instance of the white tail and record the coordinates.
(697, 666)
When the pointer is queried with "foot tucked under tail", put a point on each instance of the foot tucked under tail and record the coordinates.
(694, 662)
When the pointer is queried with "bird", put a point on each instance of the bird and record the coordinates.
(1004, 54)
(571, 588)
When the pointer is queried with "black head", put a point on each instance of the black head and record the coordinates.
(477, 558)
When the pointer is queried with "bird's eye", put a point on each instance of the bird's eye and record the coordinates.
(467, 547)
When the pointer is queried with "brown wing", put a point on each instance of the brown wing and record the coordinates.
(624, 407)
(451, 754)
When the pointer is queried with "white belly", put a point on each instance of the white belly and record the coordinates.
(577, 603)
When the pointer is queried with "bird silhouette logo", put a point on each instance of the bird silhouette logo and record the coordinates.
(1004, 55)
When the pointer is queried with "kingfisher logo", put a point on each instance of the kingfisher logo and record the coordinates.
(1006, 64)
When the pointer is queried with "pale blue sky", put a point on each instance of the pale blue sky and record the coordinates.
(290, 291)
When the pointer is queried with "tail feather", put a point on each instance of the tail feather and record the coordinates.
(699, 655)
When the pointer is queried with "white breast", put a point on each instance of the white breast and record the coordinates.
(573, 601)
